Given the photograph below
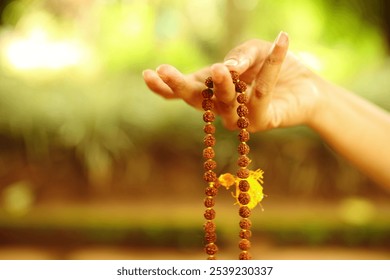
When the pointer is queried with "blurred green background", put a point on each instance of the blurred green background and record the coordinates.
(95, 166)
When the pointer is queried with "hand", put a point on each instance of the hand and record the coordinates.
(283, 91)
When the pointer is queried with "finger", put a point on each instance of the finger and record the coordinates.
(157, 85)
(249, 55)
(175, 80)
(267, 77)
(225, 94)
(186, 87)
(223, 84)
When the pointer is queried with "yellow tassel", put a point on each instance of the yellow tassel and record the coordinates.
(255, 191)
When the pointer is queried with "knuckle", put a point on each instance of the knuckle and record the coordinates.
(173, 83)
(261, 88)
(273, 60)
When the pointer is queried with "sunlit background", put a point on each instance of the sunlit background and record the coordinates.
(94, 166)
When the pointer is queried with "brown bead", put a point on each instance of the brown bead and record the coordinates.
(243, 122)
(242, 110)
(211, 191)
(211, 249)
(210, 176)
(241, 86)
(245, 224)
(244, 198)
(243, 173)
(243, 136)
(211, 258)
(244, 211)
(209, 164)
(245, 234)
(209, 202)
(207, 93)
(209, 214)
(209, 82)
(208, 116)
(209, 140)
(235, 76)
(210, 129)
(243, 149)
(208, 153)
(207, 104)
(243, 161)
(245, 256)
(209, 226)
(243, 185)
(210, 237)
(244, 244)
(242, 98)
(217, 184)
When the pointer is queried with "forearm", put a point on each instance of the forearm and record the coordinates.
(356, 129)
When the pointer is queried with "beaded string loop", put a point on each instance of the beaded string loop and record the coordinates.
(209, 175)
(242, 173)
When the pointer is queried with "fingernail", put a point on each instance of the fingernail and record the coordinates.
(282, 39)
(158, 69)
(231, 62)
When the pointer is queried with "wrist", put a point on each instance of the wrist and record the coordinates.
(325, 101)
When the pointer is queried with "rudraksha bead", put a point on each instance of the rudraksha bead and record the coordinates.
(209, 214)
(243, 122)
(208, 153)
(244, 211)
(209, 164)
(209, 226)
(245, 256)
(208, 116)
(244, 244)
(243, 149)
(243, 161)
(211, 191)
(207, 93)
(207, 104)
(244, 135)
(209, 202)
(243, 173)
(242, 110)
(210, 176)
(245, 224)
(209, 82)
(211, 249)
(235, 76)
(245, 234)
(209, 140)
(244, 198)
(210, 129)
(210, 237)
(240, 86)
(244, 185)
(242, 98)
